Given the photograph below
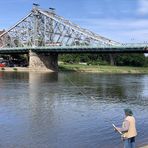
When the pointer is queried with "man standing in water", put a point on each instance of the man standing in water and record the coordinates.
(128, 129)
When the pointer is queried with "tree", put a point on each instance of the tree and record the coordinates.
(130, 60)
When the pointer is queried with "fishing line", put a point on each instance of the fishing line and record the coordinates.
(86, 96)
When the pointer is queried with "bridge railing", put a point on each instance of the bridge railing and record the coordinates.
(135, 44)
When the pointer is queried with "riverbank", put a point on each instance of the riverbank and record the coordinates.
(14, 69)
(22, 69)
(84, 68)
(144, 146)
(102, 69)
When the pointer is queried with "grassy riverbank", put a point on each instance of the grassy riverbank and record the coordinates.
(102, 69)
(87, 68)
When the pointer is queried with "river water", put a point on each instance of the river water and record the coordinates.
(69, 110)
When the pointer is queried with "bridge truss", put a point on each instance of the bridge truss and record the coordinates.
(44, 28)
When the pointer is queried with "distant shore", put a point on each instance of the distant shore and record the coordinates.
(144, 146)
(103, 69)
(85, 68)
(22, 69)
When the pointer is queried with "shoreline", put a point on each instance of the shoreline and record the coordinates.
(103, 69)
(83, 68)
(23, 69)
(146, 146)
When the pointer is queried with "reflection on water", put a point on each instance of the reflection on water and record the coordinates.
(69, 110)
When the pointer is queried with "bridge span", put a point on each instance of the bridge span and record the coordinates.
(77, 49)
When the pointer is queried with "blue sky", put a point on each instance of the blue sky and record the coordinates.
(120, 20)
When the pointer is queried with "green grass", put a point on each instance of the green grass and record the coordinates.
(102, 69)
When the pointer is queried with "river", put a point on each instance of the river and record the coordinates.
(69, 110)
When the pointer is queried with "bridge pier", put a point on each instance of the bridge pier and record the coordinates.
(43, 61)
(112, 62)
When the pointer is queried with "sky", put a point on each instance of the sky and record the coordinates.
(124, 21)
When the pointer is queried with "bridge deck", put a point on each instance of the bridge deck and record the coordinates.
(77, 49)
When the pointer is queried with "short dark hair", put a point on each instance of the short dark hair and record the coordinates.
(128, 112)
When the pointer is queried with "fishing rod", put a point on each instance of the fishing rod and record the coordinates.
(117, 129)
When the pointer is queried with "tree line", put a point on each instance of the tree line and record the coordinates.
(124, 59)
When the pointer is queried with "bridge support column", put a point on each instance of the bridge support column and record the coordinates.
(112, 62)
(43, 61)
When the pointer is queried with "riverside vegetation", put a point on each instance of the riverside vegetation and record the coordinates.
(103, 63)
(102, 68)
(122, 63)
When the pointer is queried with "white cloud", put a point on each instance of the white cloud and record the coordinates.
(142, 7)
(114, 24)
(124, 30)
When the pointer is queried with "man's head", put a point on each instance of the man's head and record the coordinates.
(128, 112)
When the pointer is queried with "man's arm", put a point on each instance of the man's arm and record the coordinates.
(125, 128)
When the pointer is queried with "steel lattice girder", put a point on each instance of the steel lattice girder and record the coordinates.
(45, 28)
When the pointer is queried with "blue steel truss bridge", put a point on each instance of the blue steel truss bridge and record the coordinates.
(42, 33)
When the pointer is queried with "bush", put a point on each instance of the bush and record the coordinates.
(146, 62)
(15, 69)
(2, 68)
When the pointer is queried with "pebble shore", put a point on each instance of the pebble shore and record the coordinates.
(23, 69)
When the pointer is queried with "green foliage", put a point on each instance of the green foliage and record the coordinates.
(90, 59)
(2, 68)
(15, 69)
(146, 62)
(138, 60)
(131, 60)
(97, 63)
(69, 58)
